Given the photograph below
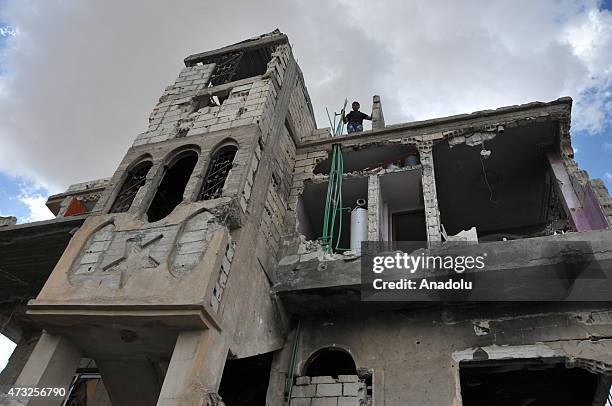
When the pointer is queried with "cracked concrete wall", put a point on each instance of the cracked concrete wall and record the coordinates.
(180, 113)
(396, 344)
(277, 201)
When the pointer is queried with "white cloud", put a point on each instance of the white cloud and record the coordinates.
(37, 210)
(608, 176)
(83, 75)
(7, 31)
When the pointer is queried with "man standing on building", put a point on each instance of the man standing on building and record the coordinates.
(355, 119)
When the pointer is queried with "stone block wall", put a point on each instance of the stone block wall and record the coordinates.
(174, 104)
(346, 390)
(185, 109)
(300, 113)
(277, 198)
(318, 135)
(8, 221)
(601, 191)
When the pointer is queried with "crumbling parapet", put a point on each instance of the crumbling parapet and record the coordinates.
(318, 135)
(603, 197)
(8, 221)
(579, 178)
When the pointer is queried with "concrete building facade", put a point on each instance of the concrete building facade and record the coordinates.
(195, 274)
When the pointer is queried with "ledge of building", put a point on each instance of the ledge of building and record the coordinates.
(516, 270)
(562, 107)
(274, 37)
(30, 252)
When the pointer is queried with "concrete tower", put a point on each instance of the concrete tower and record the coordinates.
(169, 270)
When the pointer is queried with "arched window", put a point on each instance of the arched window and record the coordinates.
(330, 362)
(218, 170)
(136, 177)
(170, 191)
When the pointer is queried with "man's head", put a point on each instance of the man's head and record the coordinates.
(355, 106)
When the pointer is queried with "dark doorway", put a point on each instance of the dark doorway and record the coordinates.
(409, 226)
(330, 362)
(171, 189)
(532, 382)
(245, 381)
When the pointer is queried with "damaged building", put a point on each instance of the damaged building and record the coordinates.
(199, 273)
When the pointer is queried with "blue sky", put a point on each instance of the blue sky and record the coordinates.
(594, 150)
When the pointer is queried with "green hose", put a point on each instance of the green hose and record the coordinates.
(289, 381)
(333, 201)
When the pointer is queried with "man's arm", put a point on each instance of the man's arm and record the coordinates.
(344, 118)
(366, 117)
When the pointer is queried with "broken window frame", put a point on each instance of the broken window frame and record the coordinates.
(135, 179)
(213, 188)
(225, 69)
(177, 157)
(228, 66)
(213, 99)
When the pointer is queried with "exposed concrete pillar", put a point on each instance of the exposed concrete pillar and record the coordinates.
(52, 364)
(195, 370)
(373, 207)
(144, 382)
(378, 120)
(430, 197)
